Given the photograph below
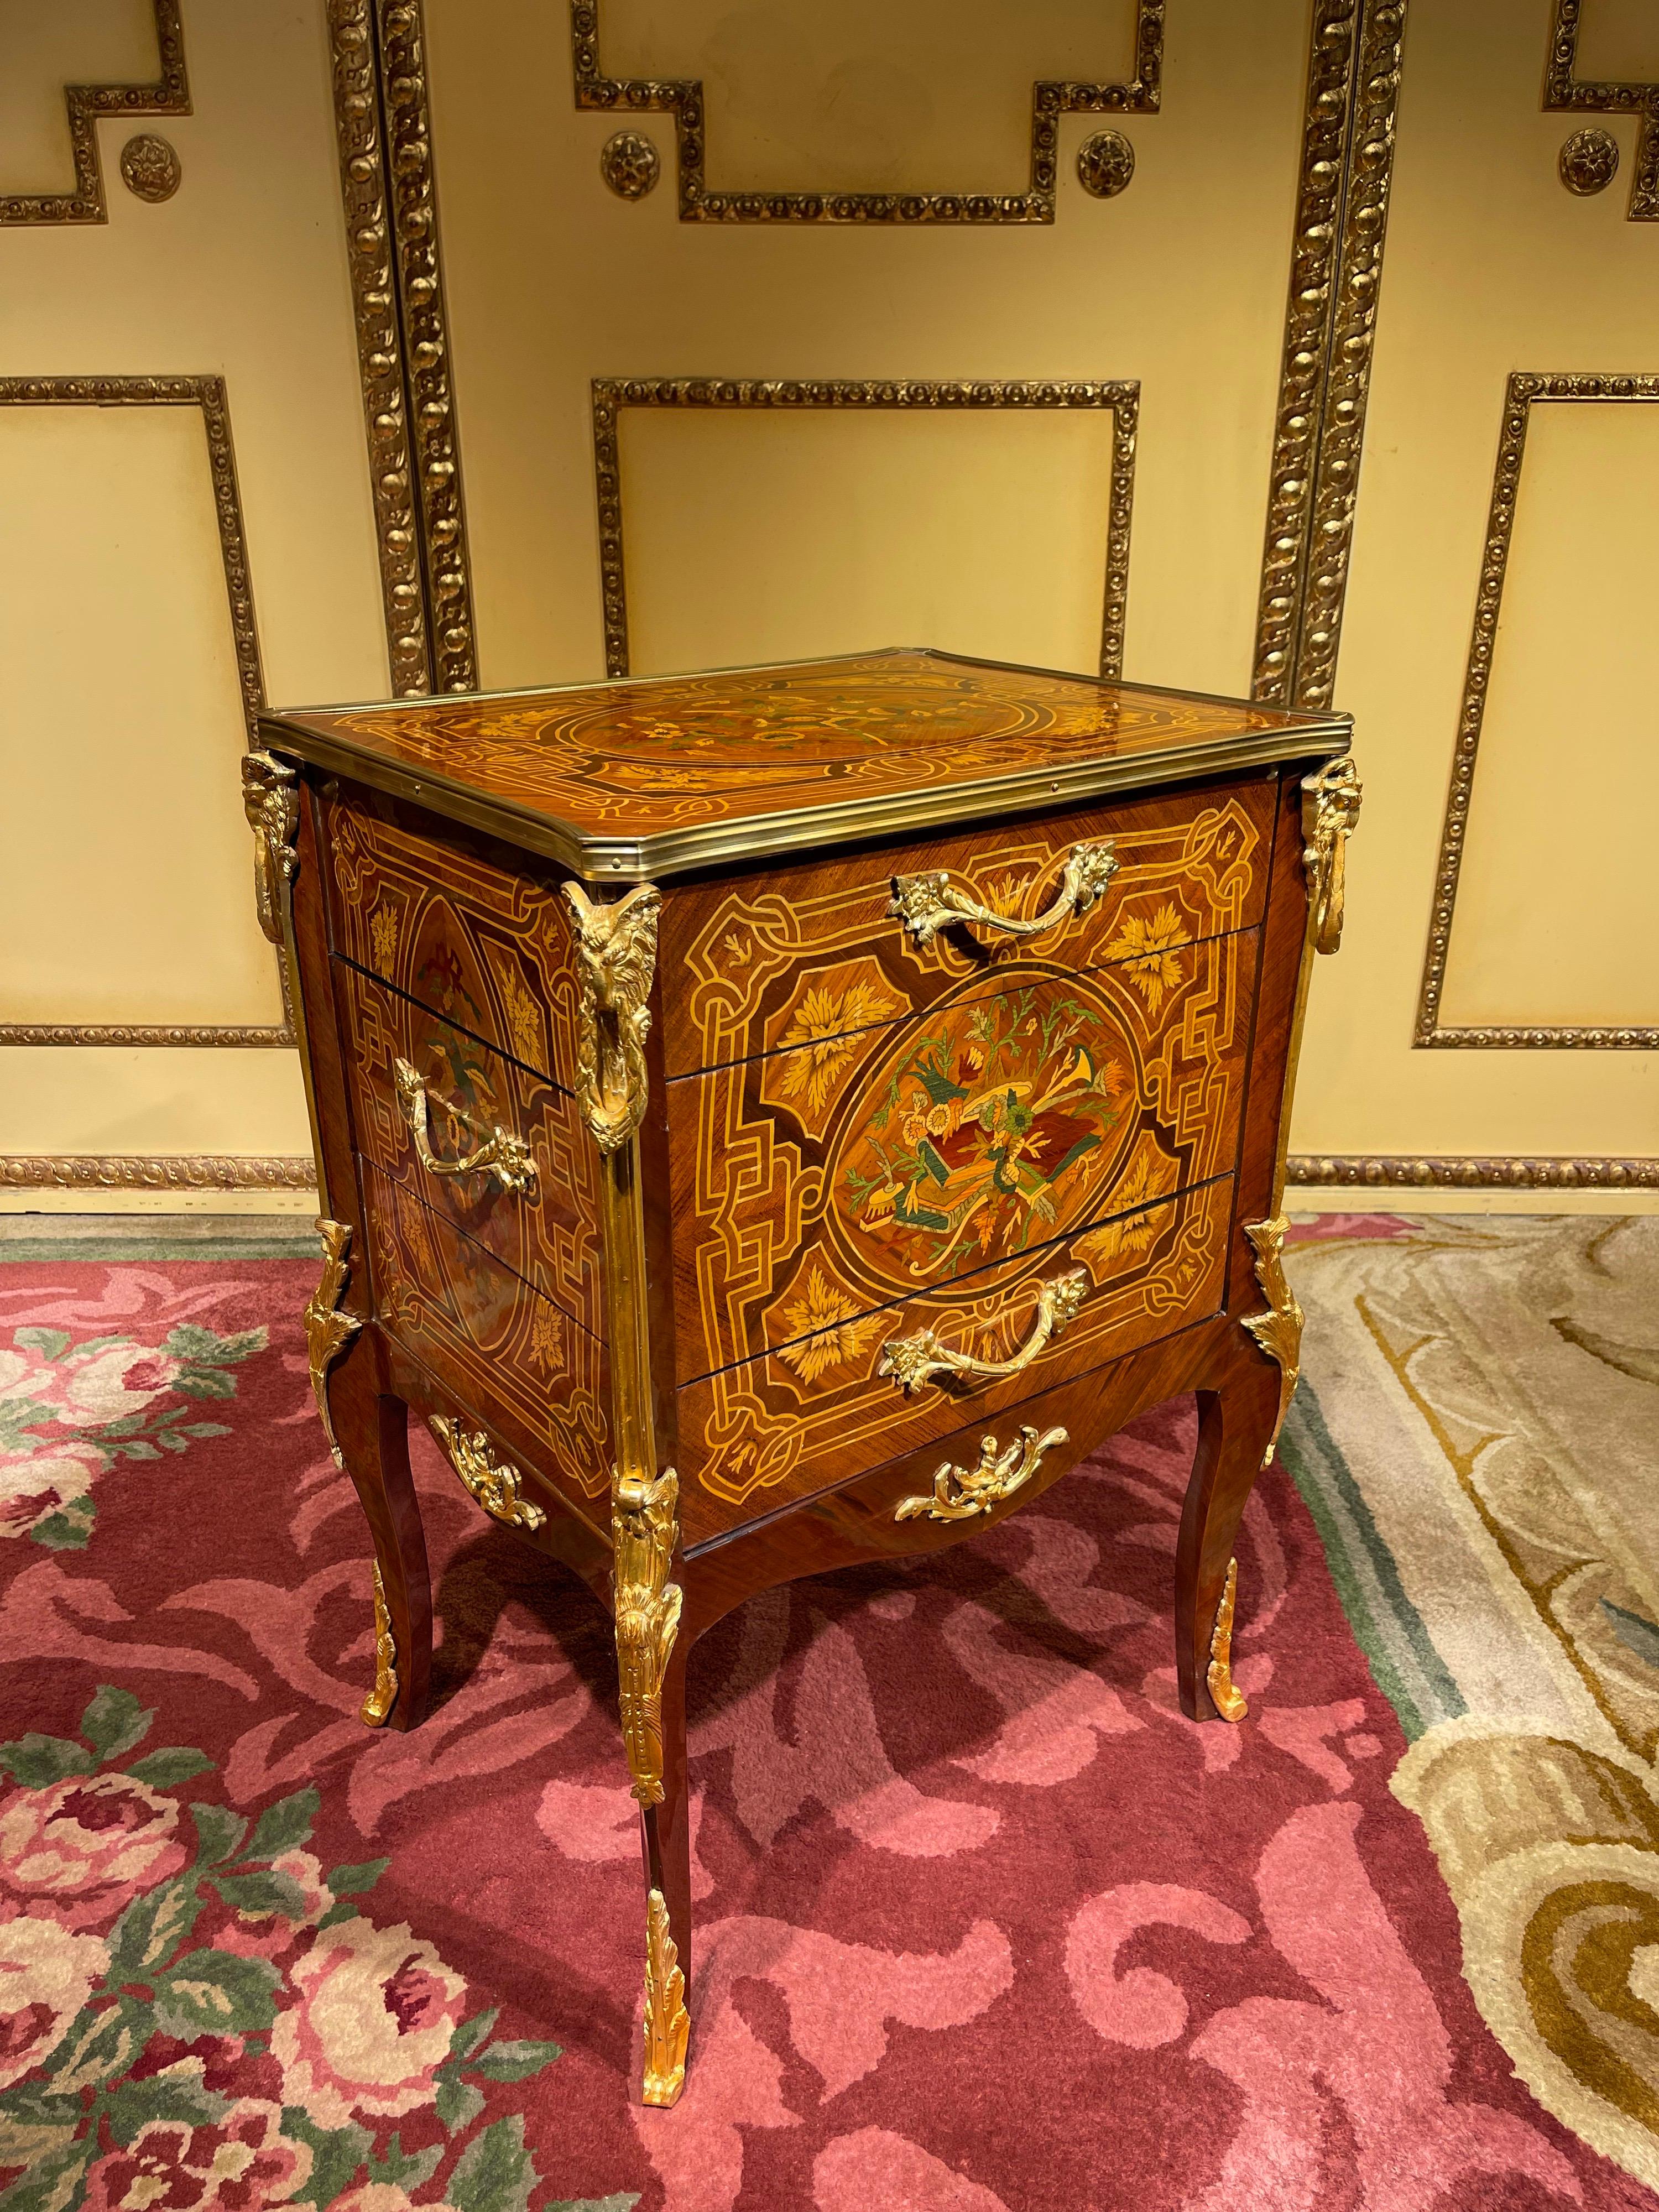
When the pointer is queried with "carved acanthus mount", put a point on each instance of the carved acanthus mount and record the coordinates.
(328, 1329)
(492, 1483)
(645, 1528)
(1278, 1331)
(1330, 808)
(271, 793)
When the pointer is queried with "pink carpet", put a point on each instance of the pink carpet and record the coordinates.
(982, 1922)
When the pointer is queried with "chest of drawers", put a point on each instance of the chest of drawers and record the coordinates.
(770, 1119)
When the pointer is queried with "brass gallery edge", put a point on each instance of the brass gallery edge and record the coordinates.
(682, 97)
(612, 394)
(207, 393)
(169, 94)
(1525, 390)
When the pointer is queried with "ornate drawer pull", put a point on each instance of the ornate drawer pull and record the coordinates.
(926, 903)
(492, 1482)
(959, 1493)
(501, 1154)
(913, 1360)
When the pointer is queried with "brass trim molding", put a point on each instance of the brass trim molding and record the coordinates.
(173, 1034)
(612, 394)
(1524, 390)
(1316, 1170)
(682, 97)
(165, 1171)
(169, 94)
(207, 392)
(1336, 271)
(1565, 92)
(389, 195)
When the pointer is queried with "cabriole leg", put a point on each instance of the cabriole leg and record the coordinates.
(372, 1429)
(1236, 1423)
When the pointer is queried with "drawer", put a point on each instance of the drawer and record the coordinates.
(548, 1233)
(760, 962)
(487, 1336)
(836, 1178)
(423, 906)
(754, 1437)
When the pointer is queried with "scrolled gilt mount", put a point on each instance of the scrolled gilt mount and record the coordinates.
(959, 1493)
(913, 1360)
(506, 1158)
(616, 953)
(645, 1529)
(930, 902)
(493, 1483)
(270, 796)
(1330, 809)
(1278, 1331)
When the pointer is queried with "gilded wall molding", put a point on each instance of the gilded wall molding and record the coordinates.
(207, 393)
(1565, 92)
(699, 202)
(611, 395)
(1524, 391)
(1336, 270)
(168, 1171)
(1315, 1170)
(169, 94)
(389, 193)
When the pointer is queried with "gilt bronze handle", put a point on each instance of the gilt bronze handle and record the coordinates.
(913, 1360)
(924, 903)
(501, 1154)
(959, 1493)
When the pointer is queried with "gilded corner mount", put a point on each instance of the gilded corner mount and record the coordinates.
(270, 795)
(328, 1329)
(1330, 809)
(616, 956)
(645, 1529)
(1278, 1331)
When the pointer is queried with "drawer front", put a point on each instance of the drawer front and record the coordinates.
(548, 1233)
(485, 948)
(757, 961)
(835, 1179)
(753, 1437)
(487, 1336)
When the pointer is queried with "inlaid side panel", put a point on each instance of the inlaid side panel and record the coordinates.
(777, 958)
(547, 1232)
(837, 1177)
(753, 1437)
(485, 947)
(488, 1338)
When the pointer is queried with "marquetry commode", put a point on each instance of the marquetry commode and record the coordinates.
(770, 1119)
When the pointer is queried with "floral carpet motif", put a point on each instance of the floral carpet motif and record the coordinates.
(984, 1925)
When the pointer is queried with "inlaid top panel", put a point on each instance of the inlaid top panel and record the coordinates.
(653, 776)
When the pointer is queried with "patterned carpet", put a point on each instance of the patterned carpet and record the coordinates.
(1478, 1437)
(984, 1925)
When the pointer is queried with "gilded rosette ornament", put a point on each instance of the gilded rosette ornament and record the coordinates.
(1330, 808)
(645, 1529)
(667, 2024)
(376, 1708)
(327, 1329)
(1229, 1701)
(271, 795)
(493, 1483)
(959, 1493)
(1279, 1331)
(616, 954)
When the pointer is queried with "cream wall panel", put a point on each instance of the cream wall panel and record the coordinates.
(1491, 266)
(124, 892)
(242, 274)
(1552, 927)
(1619, 40)
(1180, 282)
(761, 536)
(43, 47)
(107, 1100)
(871, 95)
